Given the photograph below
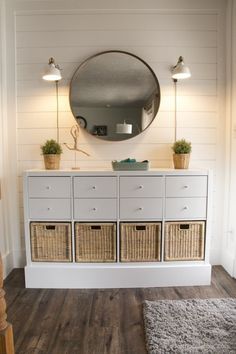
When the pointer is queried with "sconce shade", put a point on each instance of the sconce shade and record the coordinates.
(123, 128)
(53, 72)
(180, 70)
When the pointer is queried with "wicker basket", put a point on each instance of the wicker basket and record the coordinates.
(95, 242)
(181, 161)
(52, 161)
(50, 242)
(140, 242)
(184, 241)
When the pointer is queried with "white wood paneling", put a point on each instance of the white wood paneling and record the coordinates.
(116, 38)
(8, 190)
(198, 135)
(27, 120)
(198, 119)
(99, 151)
(159, 36)
(75, 22)
(75, 55)
(229, 226)
(149, 6)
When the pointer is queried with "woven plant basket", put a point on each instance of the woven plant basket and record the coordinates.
(181, 161)
(52, 161)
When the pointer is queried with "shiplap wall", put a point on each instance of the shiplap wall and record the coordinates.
(228, 256)
(158, 37)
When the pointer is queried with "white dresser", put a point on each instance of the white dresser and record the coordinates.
(107, 229)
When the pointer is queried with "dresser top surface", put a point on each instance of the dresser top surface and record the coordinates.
(109, 172)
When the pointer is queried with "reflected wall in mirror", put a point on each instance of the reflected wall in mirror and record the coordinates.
(112, 88)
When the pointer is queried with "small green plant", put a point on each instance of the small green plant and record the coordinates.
(51, 147)
(182, 147)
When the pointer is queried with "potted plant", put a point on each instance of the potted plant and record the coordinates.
(51, 151)
(182, 150)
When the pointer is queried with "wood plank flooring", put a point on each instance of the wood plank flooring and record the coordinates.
(69, 321)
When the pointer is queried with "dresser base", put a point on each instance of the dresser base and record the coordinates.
(116, 276)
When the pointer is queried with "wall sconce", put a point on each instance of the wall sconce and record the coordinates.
(124, 128)
(179, 71)
(53, 73)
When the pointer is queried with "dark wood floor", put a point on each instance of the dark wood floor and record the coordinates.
(91, 321)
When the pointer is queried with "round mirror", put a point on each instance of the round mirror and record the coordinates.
(114, 95)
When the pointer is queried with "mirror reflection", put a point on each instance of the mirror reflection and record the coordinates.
(114, 95)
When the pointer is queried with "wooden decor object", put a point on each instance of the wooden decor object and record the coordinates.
(75, 131)
(6, 332)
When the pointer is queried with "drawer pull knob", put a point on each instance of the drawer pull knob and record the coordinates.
(48, 187)
(94, 187)
(141, 186)
(186, 187)
(140, 208)
(49, 208)
(185, 208)
(94, 209)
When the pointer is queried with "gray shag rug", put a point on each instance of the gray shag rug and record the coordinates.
(190, 326)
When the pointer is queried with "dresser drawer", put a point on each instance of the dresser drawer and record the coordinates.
(50, 209)
(185, 208)
(186, 186)
(49, 187)
(138, 187)
(140, 208)
(95, 209)
(95, 187)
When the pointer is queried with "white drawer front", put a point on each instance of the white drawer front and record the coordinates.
(186, 186)
(185, 208)
(95, 187)
(95, 209)
(140, 208)
(138, 187)
(49, 187)
(50, 209)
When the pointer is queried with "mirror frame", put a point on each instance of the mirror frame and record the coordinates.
(122, 52)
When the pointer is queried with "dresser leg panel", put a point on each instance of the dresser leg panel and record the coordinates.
(117, 277)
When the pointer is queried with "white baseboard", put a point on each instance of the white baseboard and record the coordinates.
(234, 266)
(19, 258)
(215, 258)
(228, 262)
(7, 260)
